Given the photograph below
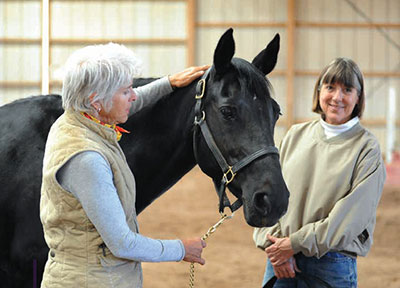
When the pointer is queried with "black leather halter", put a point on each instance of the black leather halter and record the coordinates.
(228, 171)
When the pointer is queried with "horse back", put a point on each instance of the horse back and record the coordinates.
(24, 125)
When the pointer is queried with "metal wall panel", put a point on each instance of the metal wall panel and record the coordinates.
(249, 42)
(75, 24)
(252, 32)
(341, 11)
(20, 63)
(304, 87)
(20, 60)
(103, 21)
(316, 47)
(329, 29)
(20, 19)
(239, 10)
(8, 94)
(114, 19)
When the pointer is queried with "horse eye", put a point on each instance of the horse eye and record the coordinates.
(227, 112)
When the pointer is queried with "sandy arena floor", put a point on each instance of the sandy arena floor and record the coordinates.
(232, 260)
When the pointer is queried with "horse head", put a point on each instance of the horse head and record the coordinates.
(240, 116)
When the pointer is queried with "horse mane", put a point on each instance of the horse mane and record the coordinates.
(252, 77)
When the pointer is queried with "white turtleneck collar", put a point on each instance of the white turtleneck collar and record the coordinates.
(334, 130)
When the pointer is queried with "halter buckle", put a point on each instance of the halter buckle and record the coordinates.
(229, 173)
(202, 83)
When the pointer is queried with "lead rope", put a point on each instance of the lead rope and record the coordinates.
(210, 231)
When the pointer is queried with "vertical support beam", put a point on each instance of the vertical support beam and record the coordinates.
(390, 125)
(191, 32)
(45, 46)
(290, 73)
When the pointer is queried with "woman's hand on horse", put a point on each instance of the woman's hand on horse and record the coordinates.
(193, 249)
(185, 77)
(280, 251)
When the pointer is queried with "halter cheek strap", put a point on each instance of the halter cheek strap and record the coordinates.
(229, 172)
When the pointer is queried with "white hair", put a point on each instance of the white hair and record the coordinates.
(99, 69)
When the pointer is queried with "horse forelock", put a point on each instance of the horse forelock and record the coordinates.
(253, 78)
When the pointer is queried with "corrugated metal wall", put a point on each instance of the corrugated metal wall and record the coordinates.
(328, 29)
(169, 35)
(141, 25)
(20, 31)
(155, 30)
(256, 22)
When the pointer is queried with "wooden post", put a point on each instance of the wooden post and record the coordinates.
(45, 46)
(290, 71)
(191, 34)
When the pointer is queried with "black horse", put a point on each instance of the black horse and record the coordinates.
(240, 115)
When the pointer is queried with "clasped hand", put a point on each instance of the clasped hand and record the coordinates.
(280, 253)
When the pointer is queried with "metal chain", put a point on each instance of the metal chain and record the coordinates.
(210, 231)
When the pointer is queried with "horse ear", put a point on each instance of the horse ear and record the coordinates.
(224, 52)
(266, 59)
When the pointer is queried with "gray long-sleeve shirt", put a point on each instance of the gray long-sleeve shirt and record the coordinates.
(88, 176)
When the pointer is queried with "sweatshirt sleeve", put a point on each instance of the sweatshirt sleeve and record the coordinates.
(150, 93)
(260, 235)
(88, 177)
(350, 216)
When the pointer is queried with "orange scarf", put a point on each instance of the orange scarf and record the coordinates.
(117, 129)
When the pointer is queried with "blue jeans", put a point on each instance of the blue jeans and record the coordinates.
(335, 268)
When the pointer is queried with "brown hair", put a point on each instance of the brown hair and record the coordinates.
(346, 72)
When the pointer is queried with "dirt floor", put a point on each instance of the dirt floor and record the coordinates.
(232, 260)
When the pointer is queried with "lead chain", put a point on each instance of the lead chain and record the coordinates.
(210, 231)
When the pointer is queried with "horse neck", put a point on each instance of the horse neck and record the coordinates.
(160, 147)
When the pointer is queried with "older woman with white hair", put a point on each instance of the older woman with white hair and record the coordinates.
(88, 191)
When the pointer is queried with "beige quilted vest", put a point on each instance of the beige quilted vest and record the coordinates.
(75, 259)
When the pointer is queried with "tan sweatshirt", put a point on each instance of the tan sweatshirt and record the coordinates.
(335, 185)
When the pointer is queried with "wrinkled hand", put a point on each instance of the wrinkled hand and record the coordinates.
(280, 251)
(287, 269)
(185, 77)
(193, 249)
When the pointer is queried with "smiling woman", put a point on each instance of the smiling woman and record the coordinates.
(339, 92)
(332, 208)
(337, 102)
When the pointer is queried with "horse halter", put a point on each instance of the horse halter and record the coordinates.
(228, 171)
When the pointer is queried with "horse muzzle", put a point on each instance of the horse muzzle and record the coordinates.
(265, 209)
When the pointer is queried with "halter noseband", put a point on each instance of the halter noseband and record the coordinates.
(229, 172)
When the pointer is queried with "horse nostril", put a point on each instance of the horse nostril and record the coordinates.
(262, 203)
